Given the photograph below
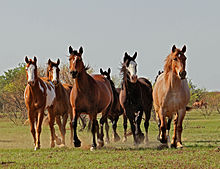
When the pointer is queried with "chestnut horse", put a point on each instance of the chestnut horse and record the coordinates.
(171, 95)
(62, 105)
(116, 109)
(90, 95)
(39, 95)
(135, 98)
(199, 104)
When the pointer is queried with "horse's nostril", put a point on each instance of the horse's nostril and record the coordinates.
(182, 74)
(73, 73)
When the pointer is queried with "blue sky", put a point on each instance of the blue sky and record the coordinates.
(108, 29)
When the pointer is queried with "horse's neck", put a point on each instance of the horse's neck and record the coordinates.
(36, 88)
(130, 87)
(83, 81)
(172, 81)
(59, 89)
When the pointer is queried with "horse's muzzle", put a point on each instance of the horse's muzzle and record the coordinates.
(134, 79)
(182, 74)
(31, 83)
(74, 74)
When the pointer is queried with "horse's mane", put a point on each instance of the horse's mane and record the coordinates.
(168, 62)
(123, 71)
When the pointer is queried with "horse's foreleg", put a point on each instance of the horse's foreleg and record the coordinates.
(39, 124)
(95, 128)
(107, 140)
(146, 124)
(138, 132)
(173, 143)
(65, 117)
(59, 123)
(114, 126)
(125, 125)
(71, 128)
(31, 116)
(51, 118)
(181, 115)
(131, 119)
(76, 141)
(162, 127)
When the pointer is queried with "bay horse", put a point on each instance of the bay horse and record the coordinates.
(116, 109)
(91, 94)
(171, 95)
(135, 98)
(62, 106)
(39, 95)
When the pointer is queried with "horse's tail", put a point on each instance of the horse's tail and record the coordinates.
(188, 108)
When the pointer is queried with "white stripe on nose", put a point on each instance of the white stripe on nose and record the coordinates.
(132, 68)
(54, 74)
(30, 72)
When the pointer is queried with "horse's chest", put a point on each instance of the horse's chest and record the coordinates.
(175, 100)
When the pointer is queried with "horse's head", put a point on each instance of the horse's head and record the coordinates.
(53, 71)
(76, 63)
(107, 74)
(130, 67)
(177, 62)
(31, 70)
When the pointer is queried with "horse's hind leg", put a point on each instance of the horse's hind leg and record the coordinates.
(107, 140)
(114, 126)
(168, 132)
(125, 125)
(39, 124)
(95, 129)
(71, 128)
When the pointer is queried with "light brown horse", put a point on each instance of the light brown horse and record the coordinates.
(90, 95)
(199, 104)
(39, 95)
(171, 95)
(62, 105)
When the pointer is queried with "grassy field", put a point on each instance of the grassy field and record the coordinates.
(201, 139)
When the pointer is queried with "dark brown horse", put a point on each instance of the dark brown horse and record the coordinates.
(135, 98)
(39, 95)
(90, 95)
(62, 105)
(116, 109)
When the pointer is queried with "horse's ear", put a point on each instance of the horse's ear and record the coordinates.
(49, 61)
(35, 59)
(173, 48)
(81, 50)
(70, 50)
(126, 57)
(58, 62)
(135, 55)
(109, 71)
(26, 59)
(101, 71)
(184, 49)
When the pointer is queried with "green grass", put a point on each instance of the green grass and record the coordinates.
(201, 139)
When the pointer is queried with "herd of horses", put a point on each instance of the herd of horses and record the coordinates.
(93, 94)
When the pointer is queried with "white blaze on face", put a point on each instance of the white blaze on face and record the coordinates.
(132, 68)
(74, 62)
(30, 71)
(54, 74)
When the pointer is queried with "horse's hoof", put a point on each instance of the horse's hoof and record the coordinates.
(92, 148)
(58, 141)
(100, 143)
(36, 148)
(77, 143)
(52, 144)
(124, 139)
(107, 141)
(179, 145)
(116, 138)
